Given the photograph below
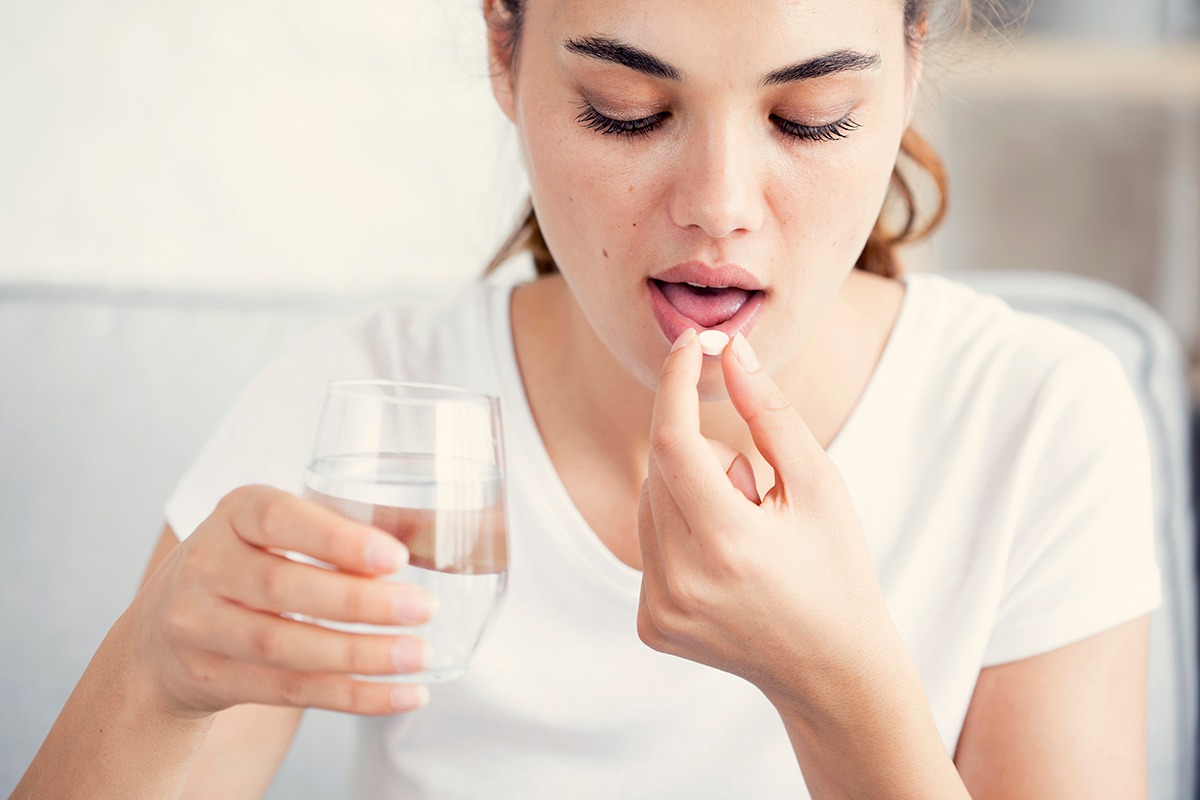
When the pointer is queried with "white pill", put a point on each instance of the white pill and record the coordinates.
(713, 342)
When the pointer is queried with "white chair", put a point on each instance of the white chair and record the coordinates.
(106, 396)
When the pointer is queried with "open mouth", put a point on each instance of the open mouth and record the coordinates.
(678, 306)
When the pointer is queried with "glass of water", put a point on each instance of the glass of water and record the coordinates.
(426, 464)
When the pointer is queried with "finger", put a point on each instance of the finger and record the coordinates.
(778, 430)
(685, 460)
(273, 641)
(270, 518)
(272, 583)
(738, 469)
(251, 683)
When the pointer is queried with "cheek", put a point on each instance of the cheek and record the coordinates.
(590, 193)
(830, 204)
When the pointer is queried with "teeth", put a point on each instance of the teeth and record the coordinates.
(705, 286)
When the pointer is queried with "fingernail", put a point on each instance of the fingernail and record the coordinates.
(409, 656)
(409, 696)
(745, 353)
(685, 338)
(385, 554)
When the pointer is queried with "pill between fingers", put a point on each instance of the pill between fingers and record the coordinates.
(713, 342)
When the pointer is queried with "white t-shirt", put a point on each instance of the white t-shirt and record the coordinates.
(997, 461)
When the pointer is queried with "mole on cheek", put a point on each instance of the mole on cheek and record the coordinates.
(605, 253)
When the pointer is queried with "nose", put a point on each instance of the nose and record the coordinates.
(718, 184)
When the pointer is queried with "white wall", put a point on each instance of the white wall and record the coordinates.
(339, 146)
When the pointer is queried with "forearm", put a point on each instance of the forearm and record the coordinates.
(112, 740)
(870, 734)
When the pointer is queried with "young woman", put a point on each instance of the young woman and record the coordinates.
(894, 541)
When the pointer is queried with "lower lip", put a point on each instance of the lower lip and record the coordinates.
(673, 323)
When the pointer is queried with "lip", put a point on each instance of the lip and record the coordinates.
(673, 323)
(699, 272)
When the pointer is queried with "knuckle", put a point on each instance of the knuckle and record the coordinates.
(355, 601)
(654, 635)
(648, 635)
(326, 540)
(774, 405)
(776, 402)
(648, 632)
(273, 585)
(665, 440)
(233, 499)
(178, 624)
(192, 566)
(358, 655)
(684, 591)
(360, 698)
(270, 517)
(267, 645)
(231, 505)
(290, 689)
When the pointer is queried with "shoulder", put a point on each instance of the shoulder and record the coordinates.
(977, 337)
(981, 372)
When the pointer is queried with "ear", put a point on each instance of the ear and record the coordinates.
(499, 57)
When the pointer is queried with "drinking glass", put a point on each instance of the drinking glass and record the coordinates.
(426, 464)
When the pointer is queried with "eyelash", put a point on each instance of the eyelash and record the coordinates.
(592, 119)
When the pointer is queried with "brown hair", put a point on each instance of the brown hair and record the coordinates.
(879, 256)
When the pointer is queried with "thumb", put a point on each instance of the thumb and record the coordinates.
(778, 430)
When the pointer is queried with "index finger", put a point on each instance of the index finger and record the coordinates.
(690, 469)
(272, 519)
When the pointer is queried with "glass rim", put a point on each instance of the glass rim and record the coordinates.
(344, 387)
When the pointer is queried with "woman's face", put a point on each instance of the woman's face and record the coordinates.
(745, 145)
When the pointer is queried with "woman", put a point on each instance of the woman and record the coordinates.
(895, 535)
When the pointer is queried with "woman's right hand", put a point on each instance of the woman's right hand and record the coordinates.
(207, 628)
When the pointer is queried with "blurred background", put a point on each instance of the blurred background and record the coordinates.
(266, 145)
(1073, 144)
(169, 170)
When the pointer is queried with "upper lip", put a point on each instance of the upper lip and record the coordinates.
(697, 272)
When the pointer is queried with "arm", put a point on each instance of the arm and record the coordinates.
(205, 634)
(133, 752)
(1070, 723)
(1079, 729)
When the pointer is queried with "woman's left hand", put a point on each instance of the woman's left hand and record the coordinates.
(780, 591)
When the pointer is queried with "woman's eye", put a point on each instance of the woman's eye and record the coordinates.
(592, 119)
(817, 133)
(589, 117)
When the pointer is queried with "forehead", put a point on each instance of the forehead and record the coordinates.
(727, 40)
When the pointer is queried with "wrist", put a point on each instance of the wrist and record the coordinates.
(860, 724)
(138, 676)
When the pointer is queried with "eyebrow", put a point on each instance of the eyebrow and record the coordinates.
(616, 52)
(819, 67)
(603, 48)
